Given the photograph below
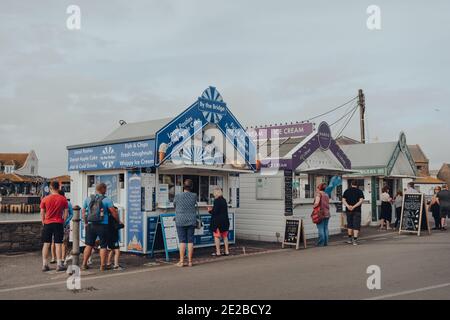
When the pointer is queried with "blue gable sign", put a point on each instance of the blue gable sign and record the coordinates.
(208, 109)
(138, 154)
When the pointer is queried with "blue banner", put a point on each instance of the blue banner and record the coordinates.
(135, 220)
(138, 154)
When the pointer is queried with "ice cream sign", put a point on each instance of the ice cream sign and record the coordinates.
(137, 154)
(209, 109)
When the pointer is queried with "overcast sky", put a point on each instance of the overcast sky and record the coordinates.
(272, 61)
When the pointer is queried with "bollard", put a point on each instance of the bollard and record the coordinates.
(76, 236)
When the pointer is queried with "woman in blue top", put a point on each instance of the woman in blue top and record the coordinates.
(186, 219)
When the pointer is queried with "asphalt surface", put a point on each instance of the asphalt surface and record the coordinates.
(411, 268)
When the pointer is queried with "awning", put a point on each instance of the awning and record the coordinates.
(200, 168)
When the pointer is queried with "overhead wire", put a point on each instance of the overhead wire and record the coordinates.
(347, 112)
(347, 122)
(332, 110)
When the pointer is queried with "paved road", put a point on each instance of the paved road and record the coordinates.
(411, 268)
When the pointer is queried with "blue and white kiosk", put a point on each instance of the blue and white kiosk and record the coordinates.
(144, 165)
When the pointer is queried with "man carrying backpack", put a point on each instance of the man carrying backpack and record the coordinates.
(96, 211)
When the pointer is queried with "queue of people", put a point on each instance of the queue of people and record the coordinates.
(187, 219)
(102, 228)
(103, 223)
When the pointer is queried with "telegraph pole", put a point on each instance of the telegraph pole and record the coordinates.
(362, 111)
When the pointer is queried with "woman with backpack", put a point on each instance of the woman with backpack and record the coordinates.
(322, 207)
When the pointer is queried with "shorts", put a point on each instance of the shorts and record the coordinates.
(445, 212)
(52, 231)
(113, 239)
(219, 234)
(95, 230)
(186, 234)
(354, 220)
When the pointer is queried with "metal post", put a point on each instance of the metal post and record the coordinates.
(362, 110)
(76, 236)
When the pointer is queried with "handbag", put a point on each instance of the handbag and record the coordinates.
(199, 222)
(317, 214)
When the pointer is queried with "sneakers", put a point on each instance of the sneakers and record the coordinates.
(45, 268)
(355, 242)
(60, 268)
(84, 267)
(118, 268)
(349, 241)
(53, 261)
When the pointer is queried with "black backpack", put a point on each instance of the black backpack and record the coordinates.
(95, 208)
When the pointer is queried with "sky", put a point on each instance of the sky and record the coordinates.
(272, 61)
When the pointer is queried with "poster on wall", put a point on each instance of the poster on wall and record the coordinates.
(135, 228)
(148, 186)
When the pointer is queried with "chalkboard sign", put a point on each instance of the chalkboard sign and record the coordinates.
(294, 233)
(288, 207)
(414, 214)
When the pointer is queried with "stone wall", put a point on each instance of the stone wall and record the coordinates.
(16, 236)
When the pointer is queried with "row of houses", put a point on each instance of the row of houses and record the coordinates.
(19, 175)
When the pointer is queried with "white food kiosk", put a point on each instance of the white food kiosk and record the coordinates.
(144, 165)
(295, 159)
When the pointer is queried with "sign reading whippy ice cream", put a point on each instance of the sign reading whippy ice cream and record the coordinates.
(209, 109)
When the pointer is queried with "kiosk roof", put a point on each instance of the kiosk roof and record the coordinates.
(369, 154)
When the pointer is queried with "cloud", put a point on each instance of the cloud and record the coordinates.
(272, 63)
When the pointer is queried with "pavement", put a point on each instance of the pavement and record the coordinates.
(410, 267)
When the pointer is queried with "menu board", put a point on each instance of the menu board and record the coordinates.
(152, 225)
(169, 232)
(288, 206)
(339, 207)
(413, 217)
(294, 233)
(135, 233)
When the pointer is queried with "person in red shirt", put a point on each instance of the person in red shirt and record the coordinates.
(54, 211)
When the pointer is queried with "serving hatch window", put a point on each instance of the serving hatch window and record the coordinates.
(203, 186)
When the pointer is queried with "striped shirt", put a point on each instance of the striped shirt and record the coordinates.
(185, 209)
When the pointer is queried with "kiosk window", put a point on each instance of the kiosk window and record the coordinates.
(195, 180)
(91, 181)
(169, 179)
(359, 183)
(204, 189)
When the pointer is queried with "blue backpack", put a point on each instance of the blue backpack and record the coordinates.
(95, 208)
